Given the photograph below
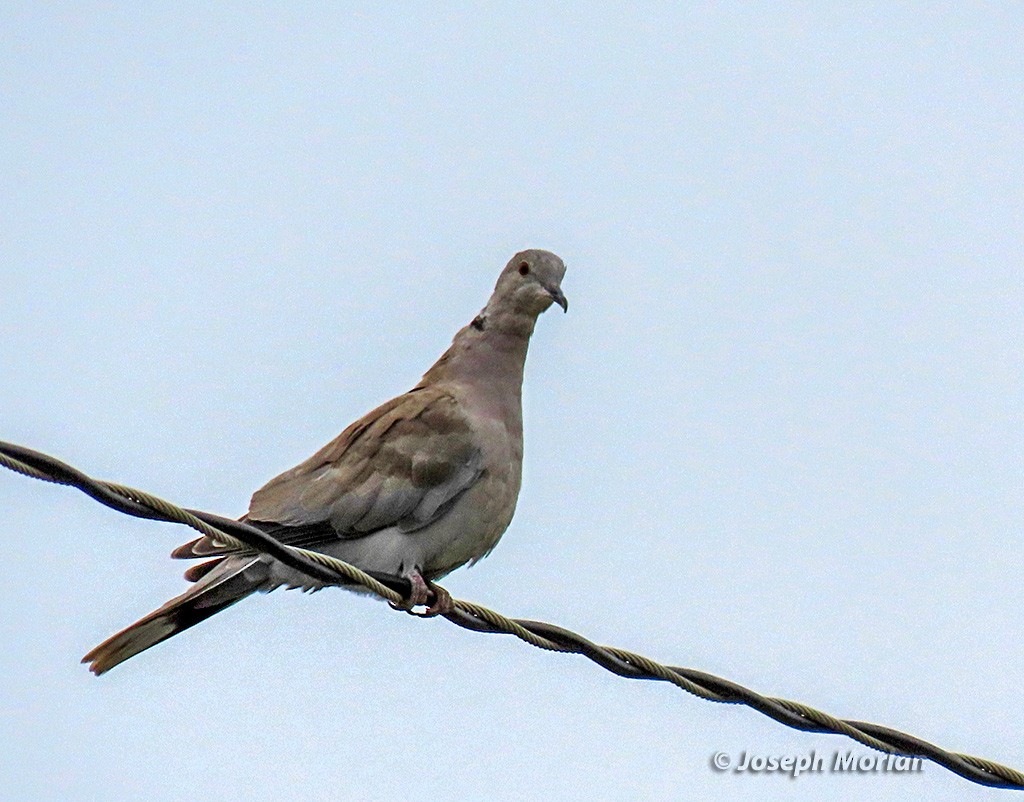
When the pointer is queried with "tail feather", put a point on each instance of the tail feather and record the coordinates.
(229, 581)
(197, 572)
(200, 547)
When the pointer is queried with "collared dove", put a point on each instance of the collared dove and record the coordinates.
(421, 485)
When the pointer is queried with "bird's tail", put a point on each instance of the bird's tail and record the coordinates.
(229, 581)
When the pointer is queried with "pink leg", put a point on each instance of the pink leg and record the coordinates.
(420, 594)
(420, 589)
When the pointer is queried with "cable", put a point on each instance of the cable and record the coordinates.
(479, 619)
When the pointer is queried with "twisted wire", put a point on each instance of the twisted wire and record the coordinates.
(474, 617)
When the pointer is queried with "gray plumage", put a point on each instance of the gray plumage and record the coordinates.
(421, 485)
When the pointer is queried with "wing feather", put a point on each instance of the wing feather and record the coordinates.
(403, 464)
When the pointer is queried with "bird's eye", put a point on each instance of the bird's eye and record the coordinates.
(524, 269)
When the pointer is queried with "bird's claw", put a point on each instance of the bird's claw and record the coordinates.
(419, 594)
(442, 605)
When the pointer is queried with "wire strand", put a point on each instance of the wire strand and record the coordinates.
(474, 617)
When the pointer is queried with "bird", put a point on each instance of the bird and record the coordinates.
(423, 484)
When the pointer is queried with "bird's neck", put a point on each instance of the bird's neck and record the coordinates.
(488, 356)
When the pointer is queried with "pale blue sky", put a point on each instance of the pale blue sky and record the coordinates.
(777, 437)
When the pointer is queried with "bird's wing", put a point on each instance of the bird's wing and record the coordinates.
(403, 464)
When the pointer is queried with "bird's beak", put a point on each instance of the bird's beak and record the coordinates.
(559, 298)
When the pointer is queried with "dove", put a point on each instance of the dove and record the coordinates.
(423, 484)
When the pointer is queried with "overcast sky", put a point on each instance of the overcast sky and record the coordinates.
(776, 438)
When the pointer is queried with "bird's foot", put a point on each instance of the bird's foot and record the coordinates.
(443, 603)
(420, 592)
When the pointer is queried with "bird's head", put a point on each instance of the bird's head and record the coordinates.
(531, 282)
